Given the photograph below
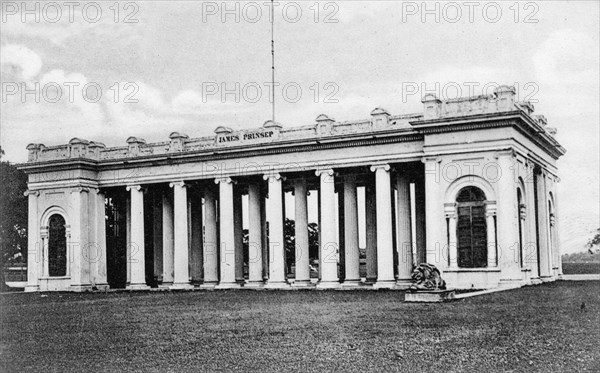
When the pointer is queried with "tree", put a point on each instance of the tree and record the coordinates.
(594, 241)
(13, 213)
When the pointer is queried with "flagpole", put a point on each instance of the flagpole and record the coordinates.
(272, 61)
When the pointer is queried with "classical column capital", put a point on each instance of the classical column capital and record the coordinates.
(273, 176)
(384, 166)
(224, 180)
(137, 188)
(180, 184)
(324, 171)
(35, 193)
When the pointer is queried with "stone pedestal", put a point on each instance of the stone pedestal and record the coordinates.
(429, 296)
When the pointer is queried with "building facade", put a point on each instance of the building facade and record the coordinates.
(468, 185)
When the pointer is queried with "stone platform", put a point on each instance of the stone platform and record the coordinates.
(429, 296)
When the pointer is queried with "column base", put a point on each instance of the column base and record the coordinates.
(208, 285)
(302, 284)
(102, 287)
(80, 288)
(227, 285)
(32, 288)
(536, 281)
(255, 285)
(351, 283)
(181, 286)
(403, 283)
(280, 285)
(388, 284)
(546, 278)
(165, 285)
(370, 281)
(137, 287)
(328, 285)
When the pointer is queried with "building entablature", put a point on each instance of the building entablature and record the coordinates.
(472, 113)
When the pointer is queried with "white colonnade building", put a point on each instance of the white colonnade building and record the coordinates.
(468, 185)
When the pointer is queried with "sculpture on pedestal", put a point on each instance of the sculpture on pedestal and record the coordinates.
(427, 277)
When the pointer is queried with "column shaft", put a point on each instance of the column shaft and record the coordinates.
(420, 239)
(211, 256)
(157, 232)
(100, 258)
(168, 239)
(255, 239)
(404, 230)
(301, 232)
(492, 254)
(34, 246)
(452, 239)
(138, 267)
(226, 234)
(351, 248)
(238, 230)
(181, 275)
(327, 228)
(276, 233)
(543, 222)
(385, 245)
(507, 222)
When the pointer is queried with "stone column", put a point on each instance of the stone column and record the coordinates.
(490, 219)
(100, 273)
(452, 217)
(181, 274)
(531, 259)
(556, 230)
(211, 256)
(168, 240)
(543, 225)
(34, 246)
(276, 234)
(352, 252)
(78, 262)
(138, 267)
(255, 239)
(226, 234)
(301, 232)
(404, 232)
(371, 233)
(238, 230)
(385, 244)
(435, 228)
(328, 245)
(128, 238)
(507, 222)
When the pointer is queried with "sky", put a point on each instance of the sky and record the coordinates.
(153, 67)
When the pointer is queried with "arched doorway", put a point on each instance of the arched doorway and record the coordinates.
(57, 246)
(471, 228)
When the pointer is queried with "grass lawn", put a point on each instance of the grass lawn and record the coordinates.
(539, 329)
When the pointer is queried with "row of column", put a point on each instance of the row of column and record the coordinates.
(225, 269)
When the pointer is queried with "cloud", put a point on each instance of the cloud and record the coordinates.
(27, 62)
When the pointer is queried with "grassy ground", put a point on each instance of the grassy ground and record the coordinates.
(580, 268)
(538, 328)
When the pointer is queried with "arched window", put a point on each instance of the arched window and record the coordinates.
(471, 228)
(57, 246)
